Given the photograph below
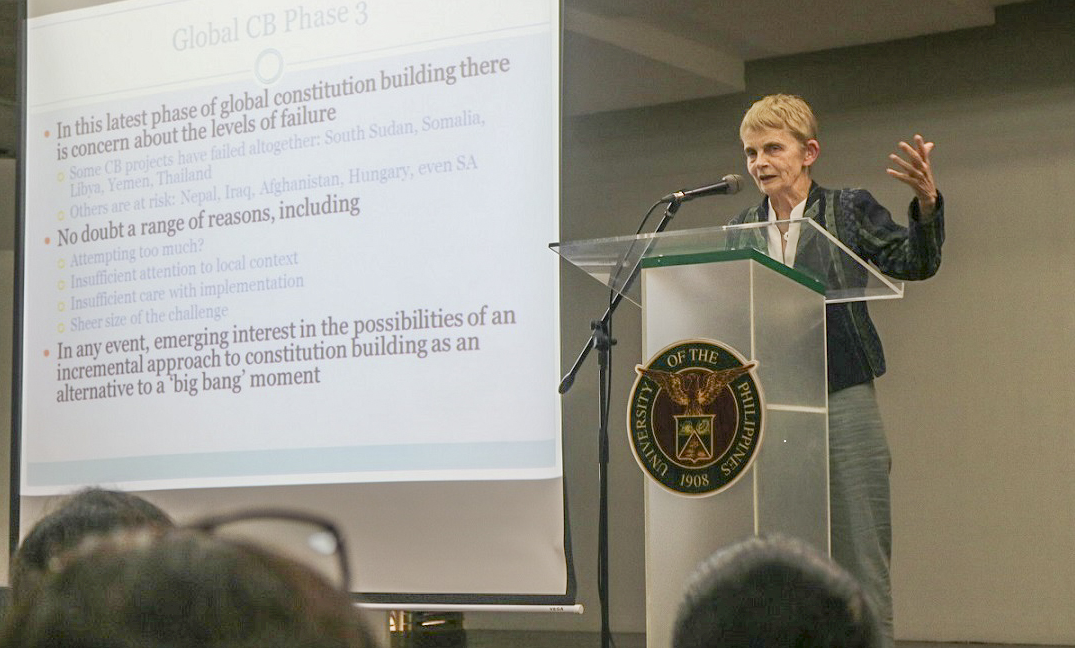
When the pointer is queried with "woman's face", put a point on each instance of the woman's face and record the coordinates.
(778, 162)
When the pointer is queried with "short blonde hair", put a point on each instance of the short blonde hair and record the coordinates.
(781, 111)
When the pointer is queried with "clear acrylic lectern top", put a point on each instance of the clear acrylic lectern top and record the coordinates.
(819, 256)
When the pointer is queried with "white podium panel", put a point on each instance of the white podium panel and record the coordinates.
(775, 316)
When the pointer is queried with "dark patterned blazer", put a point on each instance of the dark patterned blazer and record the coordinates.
(855, 218)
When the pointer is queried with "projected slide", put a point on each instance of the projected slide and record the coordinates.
(290, 242)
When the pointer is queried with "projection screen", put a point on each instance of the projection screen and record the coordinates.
(294, 254)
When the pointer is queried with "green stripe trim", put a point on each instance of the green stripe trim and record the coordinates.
(735, 255)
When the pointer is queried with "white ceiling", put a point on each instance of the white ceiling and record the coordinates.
(631, 53)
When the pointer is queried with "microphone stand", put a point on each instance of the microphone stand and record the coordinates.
(601, 340)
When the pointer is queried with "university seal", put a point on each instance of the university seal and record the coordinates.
(695, 417)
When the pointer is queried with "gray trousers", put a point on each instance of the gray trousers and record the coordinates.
(859, 463)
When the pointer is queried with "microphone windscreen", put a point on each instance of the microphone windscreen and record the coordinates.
(735, 182)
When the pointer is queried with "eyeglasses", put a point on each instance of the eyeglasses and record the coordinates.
(306, 538)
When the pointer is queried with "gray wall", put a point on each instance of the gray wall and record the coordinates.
(7, 321)
(979, 402)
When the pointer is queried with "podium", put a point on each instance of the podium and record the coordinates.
(720, 284)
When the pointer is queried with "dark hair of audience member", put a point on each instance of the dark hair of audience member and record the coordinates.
(89, 512)
(183, 589)
(774, 592)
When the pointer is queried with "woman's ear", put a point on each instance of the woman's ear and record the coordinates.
(813, 149)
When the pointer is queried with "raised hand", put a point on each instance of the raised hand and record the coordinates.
(913, 169)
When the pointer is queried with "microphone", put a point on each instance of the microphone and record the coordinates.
(728, 185)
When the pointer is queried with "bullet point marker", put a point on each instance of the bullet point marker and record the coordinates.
(59, 306)
(48, 241)
(60, 177)
(60, 328)
(46, 353)
(47, 133)
(61, 263)
(60, 215)
(60, 285)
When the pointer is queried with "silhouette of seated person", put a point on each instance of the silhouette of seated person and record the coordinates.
(182, 589)
(89, 512)
(773, 592)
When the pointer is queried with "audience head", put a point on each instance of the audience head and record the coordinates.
(90, 512)
(182, 589)
(773, 592)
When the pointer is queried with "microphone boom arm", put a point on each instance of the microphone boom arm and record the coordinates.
(602, 324)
